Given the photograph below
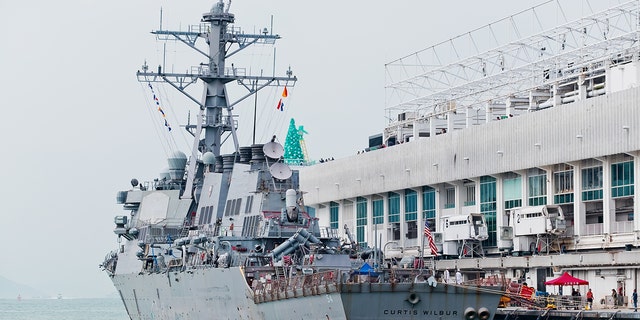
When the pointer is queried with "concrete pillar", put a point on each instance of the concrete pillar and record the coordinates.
(608, 207)
(579, 211)
(469, 116)
(582, 88)
(432, 126)
(636, 191)
(550, 188)
(488, 112)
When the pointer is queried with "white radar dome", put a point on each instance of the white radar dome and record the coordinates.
(208, 158)
(177, 160)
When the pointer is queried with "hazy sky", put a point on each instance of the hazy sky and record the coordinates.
(76, 125)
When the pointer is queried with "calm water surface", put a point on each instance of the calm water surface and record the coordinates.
(62, 309)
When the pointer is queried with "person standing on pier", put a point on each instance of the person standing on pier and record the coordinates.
(590, 299)
(634, 298)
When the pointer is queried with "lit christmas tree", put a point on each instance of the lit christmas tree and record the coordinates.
(292, 150)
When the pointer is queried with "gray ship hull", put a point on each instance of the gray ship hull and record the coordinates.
(228, 236)
(216, 293)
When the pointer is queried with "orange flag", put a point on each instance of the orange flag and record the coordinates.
(284, 92)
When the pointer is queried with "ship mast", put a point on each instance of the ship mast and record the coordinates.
(215, 118)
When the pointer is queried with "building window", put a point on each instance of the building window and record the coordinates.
(622, 179)
(412, 230)
(428, 202)
(563, 187)
(410, 205)
(395, 228)
(361, 219)
(334, 209)
(450, 198)
(538, 188)
(470, 190)
(394, 207)
(592, 183)
(311, 211)
(488, 208)
(377, 205)
(512, 190)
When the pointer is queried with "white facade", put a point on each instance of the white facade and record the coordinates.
(556, 143)
(550, 119)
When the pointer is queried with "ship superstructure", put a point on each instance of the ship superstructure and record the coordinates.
(538, 119)
(229, 236)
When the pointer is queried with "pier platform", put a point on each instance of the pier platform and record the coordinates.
(513, 313)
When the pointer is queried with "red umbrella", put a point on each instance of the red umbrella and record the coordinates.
(566, 280)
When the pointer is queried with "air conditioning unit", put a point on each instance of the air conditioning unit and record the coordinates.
(437, 237)
(506, 233)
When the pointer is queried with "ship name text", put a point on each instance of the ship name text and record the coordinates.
(416, 312)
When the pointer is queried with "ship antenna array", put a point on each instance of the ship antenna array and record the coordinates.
(215, 118)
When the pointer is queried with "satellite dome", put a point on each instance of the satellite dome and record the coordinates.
(208, 158)
(177, 160)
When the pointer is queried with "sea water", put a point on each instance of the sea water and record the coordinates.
(62, 309)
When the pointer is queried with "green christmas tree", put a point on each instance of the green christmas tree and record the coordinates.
(292, 149)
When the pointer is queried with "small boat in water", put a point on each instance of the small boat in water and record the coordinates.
(228, 236)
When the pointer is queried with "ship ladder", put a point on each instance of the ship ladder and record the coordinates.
(283, 280)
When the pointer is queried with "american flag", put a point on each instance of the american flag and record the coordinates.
(427, 232)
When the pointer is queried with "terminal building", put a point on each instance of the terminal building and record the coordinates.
(520, 157)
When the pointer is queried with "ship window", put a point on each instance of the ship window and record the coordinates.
(237, 205)
(228, 210)
(250, 226)
(202, 213)
(249, 204)
(209, 214)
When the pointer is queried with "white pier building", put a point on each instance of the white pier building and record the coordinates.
(516, 114)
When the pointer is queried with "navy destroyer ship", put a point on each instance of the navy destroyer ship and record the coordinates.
(228, 236)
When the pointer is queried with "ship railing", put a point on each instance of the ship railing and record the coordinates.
(297, 286)
(498, 281)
